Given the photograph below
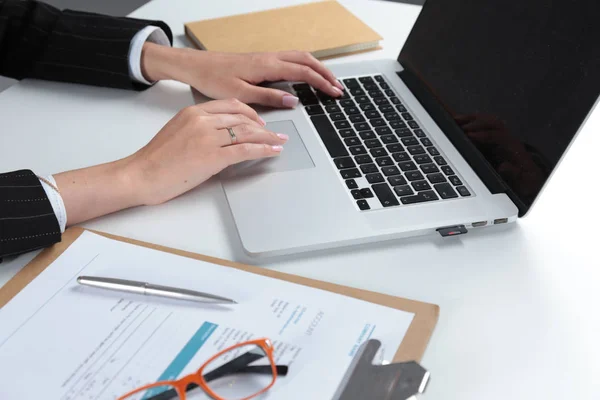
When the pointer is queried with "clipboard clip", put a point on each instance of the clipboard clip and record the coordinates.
(366, 380)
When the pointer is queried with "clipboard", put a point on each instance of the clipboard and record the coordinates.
(412, 347)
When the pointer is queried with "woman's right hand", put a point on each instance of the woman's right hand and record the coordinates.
(188, 150)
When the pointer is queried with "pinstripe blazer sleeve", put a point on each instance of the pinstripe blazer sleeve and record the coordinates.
(27, 221)
(39, 41)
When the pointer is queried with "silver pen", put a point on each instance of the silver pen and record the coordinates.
(149, 289)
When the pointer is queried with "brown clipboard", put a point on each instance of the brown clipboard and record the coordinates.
(412, 347)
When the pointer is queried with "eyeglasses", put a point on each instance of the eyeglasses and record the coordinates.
(240, 372)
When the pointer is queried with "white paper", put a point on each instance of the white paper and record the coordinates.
(62, 340)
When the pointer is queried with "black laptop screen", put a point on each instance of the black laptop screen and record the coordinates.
(518, 77)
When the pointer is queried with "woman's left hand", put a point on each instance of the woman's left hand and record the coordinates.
(225, 75)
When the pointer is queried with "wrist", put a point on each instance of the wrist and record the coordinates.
(159, 62)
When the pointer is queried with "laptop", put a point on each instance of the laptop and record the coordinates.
(461, 132)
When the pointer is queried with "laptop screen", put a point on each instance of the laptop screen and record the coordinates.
(518, 77)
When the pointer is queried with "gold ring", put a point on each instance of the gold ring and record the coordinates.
(232, 135)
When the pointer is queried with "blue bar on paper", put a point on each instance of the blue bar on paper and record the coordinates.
(184, 357)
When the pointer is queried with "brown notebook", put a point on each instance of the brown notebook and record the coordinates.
(324, 28)
(412, 347)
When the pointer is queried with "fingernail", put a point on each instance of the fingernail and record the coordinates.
(290, 101)
(262, 121)
(277, 148)
(338, 91)
(339, 85)
(283, 136)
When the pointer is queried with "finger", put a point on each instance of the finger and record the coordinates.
(305, 58)
(222, 121)
(231, 106)
(253, 134)
(267, 96)
(295, 72)
(247, 151)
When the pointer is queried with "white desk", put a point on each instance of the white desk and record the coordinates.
(519, 315)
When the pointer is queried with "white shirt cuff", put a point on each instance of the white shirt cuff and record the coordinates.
(151, 34)
(58, 206)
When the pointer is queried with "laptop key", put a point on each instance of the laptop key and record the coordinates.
(374, 178)
(455, 180)
(407, 116)
(404, 190)
(346, 133)
(391, 116)
(395, 147)
(372, 143)
(423, 159)
(381, 101)
(410, 141)
(369, 168)
(391, 170)
(401, 157)
(414, 176)
(342, 124)
(351, 184)
(403, 132)
(371, 86)
(363, 159)
(352, 141)
(362, 99)
(356, 194)
(351, 83)
(377, 122)
(366, 135)
(350, 173)
(366, 79)
(332, 109)
(463, 191)
(307, 98)
(314, 110)
(447, 170)
(356, 118)
(407, 166)
(395, 100)
(352, 110)
(401, 108)
(414, 150)
(347, 103)
(383, 130)
(337, 117)
(379, 78)
(436, 178)
(385, 195)
(387, 139)
(375, 94)
(413, 124)
(390, 93)
(384, 161)
(362, 126)
(386, 108)
(433, 151)
(384, 85)
(429, 168)
(440, 160)
(372, 114)
(419, 133)
(380, 152)
(420, 197)
(397, 124)
(363, 205)
(426, 142)
(397, 180)
(357, 92)
(367, 106)
(356, 150)
(301, 86)
(366, 193)
(344, 162)
(329, 136)
(445, 191)
(421, 185)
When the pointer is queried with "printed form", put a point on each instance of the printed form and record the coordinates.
(62, 340)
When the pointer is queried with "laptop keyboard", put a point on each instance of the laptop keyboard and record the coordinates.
(383, 155)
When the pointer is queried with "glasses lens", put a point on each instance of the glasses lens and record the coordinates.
(239, 373)
(162, 392)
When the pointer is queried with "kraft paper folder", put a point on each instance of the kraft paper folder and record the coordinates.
(411, 349)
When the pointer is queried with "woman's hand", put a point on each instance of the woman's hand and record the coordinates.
(220, 75)
(187, 151)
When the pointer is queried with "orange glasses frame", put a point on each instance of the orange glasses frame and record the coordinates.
(197, 377)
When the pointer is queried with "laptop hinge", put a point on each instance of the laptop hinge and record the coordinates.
(470, 153)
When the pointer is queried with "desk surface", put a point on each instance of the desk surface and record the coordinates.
(518, 303)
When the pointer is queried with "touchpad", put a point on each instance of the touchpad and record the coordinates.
(294, 155)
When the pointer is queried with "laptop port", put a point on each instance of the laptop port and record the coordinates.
(500, 221)
(478, 224)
